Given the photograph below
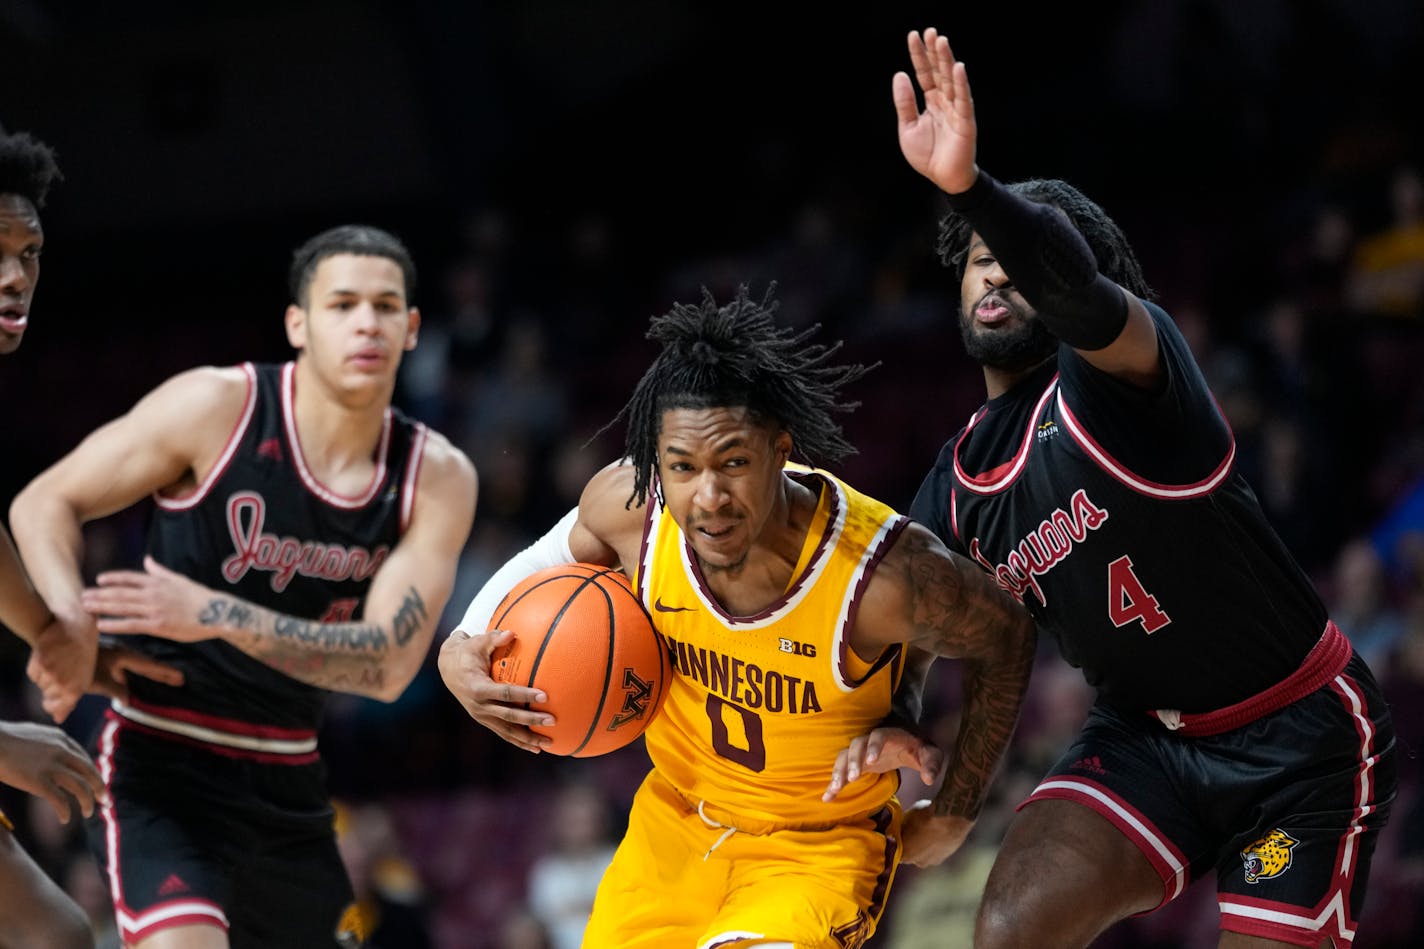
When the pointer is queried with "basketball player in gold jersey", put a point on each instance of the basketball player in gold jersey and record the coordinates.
(786, 600)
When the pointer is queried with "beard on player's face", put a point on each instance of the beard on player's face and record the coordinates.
(1021, 344)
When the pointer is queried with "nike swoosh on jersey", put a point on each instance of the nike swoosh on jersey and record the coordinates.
(662, 608)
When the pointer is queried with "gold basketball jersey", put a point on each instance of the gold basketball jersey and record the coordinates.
(760, 705)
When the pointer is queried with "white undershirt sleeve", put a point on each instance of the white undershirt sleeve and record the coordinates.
(548, 551)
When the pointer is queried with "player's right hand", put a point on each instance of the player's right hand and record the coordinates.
(883, 749)
(44, 761)
(116, 663)
(62, 663)
(940, 142)
(465, 660)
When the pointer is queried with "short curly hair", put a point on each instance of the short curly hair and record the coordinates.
(359, 239)
(27, 166)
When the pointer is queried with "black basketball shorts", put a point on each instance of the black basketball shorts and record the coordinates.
(193, 836)
(1286, 809)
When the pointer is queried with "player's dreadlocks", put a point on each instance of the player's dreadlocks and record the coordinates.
(27, 166)
(736, 356)
(1116, 261)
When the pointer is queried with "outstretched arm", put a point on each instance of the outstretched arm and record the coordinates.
(376, 656)
(940, 143)
(1040, 250)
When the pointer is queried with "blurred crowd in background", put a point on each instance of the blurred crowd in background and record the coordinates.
(1274, 191)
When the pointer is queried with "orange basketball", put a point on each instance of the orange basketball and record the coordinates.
(582, 636)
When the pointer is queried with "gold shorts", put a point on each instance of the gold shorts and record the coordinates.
(678, 880)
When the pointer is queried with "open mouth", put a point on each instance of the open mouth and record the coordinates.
(14, 319)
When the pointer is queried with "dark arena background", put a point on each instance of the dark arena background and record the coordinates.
(562, 170)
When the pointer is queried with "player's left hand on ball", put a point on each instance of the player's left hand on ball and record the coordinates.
(883, 749)
(465, 660)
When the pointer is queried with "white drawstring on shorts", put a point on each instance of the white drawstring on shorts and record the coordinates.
(1170, 717)
(712, 823)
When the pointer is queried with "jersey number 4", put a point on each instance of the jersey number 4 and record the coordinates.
(1129, 601)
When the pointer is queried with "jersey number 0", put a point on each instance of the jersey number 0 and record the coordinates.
(752, 757)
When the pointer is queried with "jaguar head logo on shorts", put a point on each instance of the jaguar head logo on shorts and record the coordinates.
(1268, 857)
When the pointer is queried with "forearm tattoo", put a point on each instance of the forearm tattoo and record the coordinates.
(221, 612)
(409, 618)
(961, 613)
(348, 657)
(355, 637)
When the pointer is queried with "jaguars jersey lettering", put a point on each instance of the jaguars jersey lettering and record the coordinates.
(1119, 519)
(759, 705)
(262, 527)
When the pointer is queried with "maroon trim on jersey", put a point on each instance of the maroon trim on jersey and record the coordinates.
(1352, 697)
(227, 751)
(1166, 857)
(189, 911)
(172, 914)
(1120, 472)
(831, 534)
(651, 504)
(289, 422)
(884, 820)
(891, 655)
(1000, 477)
(412, 474)
(1325, 661)
(1284, 922)
(183, 502)
(954, 514)
(232, 726)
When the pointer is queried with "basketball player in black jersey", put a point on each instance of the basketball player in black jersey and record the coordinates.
(1235, 733)
(304, 540)
(40, 759)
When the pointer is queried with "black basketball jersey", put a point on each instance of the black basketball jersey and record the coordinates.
(1119, 519)
(261, 527)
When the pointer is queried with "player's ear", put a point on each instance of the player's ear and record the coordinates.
(412, 332)
(296, 321)
(782, 444)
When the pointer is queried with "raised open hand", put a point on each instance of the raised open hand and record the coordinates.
(941, 141)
